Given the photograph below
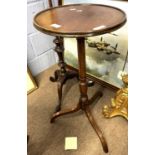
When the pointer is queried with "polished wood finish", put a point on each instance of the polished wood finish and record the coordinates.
(84, 102)
(83, 90)
(80, 21)
(95, 19)
(61, 75)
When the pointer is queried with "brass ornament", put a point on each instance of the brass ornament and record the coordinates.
(119, 104)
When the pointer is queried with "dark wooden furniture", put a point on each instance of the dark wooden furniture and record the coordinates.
(61, 75)
(80, 21)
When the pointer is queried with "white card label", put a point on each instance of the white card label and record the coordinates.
(71, 143)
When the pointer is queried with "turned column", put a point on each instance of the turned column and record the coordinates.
(84, 101)
(82, 71)
(60, 52)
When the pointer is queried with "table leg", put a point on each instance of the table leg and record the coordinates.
(61, 75)
(65, 112)
(83, 90)
(96, 128)
(84, 101)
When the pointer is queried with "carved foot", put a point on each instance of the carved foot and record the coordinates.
(56, 76)
(96, 128)
(65, 112)
(58, 108)
(67, 75)
(60, 84)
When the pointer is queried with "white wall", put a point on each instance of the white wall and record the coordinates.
(40, 53)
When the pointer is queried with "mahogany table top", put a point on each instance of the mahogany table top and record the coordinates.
(79, 20)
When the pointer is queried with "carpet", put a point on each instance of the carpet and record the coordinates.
(49, 139)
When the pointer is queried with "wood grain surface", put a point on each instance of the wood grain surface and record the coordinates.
(79, 20)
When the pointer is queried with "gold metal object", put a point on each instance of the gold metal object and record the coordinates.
(119, 105)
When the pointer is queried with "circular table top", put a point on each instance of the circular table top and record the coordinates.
(79, 20)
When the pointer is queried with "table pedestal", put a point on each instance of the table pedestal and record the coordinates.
(80, 21)
(61, 75)
(84, 102)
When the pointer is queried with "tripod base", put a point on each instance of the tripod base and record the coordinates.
(86, 109)
(61, 79)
